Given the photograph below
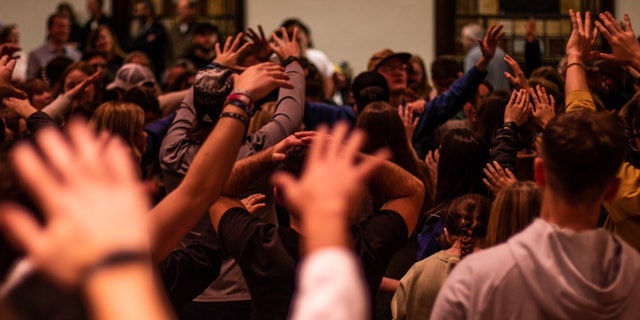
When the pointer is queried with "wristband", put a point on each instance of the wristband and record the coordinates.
(512, 125)
(288, 60)
(245, 93)
(238, 116)
(579, 64)
(241, 97)
(117, 258)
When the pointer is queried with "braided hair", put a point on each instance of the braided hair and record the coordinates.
(466, 220)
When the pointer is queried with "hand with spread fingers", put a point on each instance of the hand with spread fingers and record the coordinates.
(92, 200)
(496, 177)
(81, 87)
(488, 46)
(545, 106)
(260, 44)
(254, 202)
(231, 52)
(582, 37)
(286, 47)
(518, 108)
(408, 121)
(261, 79)
(518, 80)
(624, 44)
(6, 87)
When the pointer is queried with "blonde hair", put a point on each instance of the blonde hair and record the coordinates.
(123, 119)
(513, 209)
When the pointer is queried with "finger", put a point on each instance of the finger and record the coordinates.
(285, 181)
(21, 228)
(243, 48)
(627, 23)
(414, 124)
(295, 34)
(227, 44)
(509, 77)
(488, 184)
(603, 56)
(56, 150)
(261, 32)
(251, 34)
(614, 22)
(217, 48)
(86, 150)
(366, 167)
(236, 42)
(318, 145)
(117, 157)
(604, 31)
(587, 23)
(35, 176)
(510, 174)
(285, 35)
(4, 60)
(353, 144)
(552, 103)
(514, 96)
(579, 22)
(437, 155)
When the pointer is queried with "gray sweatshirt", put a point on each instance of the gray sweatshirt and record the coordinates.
(546, 273)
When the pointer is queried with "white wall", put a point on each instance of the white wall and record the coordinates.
(353, 30)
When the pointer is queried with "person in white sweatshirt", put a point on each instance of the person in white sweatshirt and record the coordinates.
(561, 266)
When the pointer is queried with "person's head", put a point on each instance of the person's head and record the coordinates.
(132, 75)
(58, 28)
(465, 221)
(612, 75)
(552, 89)
(73, 75)
(445, 70)
(368, 87)
(180, 76)
(94, 7)
(470, 108)
(210, 89)
(145, 98)
(417, 76)
(37, 92)
(102, 39)
(123, 119)
(470, 35)
(97, 60)
(514, 207)
(66, 9)
(185, 10)
(205, 36)
(581, 154)
(52, 74)
(144, 10)
(313, 84)
(550, 73)
(9, 34)
(490, 115)
(304, 33)
(463, 155)
(393, 67)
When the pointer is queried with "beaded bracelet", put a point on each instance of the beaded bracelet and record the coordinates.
(238, 116)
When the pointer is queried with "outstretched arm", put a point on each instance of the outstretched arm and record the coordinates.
(181, 209)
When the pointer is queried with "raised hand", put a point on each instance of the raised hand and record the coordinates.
(496, 177)
(488, 46)
(6, 87)
(286, 47)
(530, 30)
(582, 37)
(518, 108)
(90, 195)
(81, 87)
(261, 79)
(231, 52)
(408, 121)
(624, 44)
(8, 49)
(432, 160)
(260, 44)
(20, 106)
(254, 202)
(518, 80)
(545, 106)
(332, 179)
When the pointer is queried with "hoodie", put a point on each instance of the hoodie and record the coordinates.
(546, 273)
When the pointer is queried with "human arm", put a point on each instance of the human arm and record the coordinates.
(169, 102)
(518, 80)
(578, 51)
(532, 52)
(201, 186)
(78, 250)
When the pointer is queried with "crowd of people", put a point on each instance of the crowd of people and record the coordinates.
(232, 178)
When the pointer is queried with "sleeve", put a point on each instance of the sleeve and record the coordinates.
(579, 100)
(399, 301)
(39, 120)
(176, 152)
(58, 108)
(626, 204)
(330, 286)
(187, 271)
(156, 131)
(506, 144)
(170, 101)
(289, 112)
(320, 113)
(445, 106)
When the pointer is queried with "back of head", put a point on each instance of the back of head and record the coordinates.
(582, 152)
(132, 75)
(465, 219)
(514, 207)
(294, 160)
(5, 32)
(54, 70)
(471, 33)
(123, 119)
(146, 98)
(491, 114)
(368, 87)
(463, 155)
(445, 70)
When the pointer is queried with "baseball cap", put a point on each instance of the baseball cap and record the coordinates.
(369, 86)
(384, 55)
(132, 75)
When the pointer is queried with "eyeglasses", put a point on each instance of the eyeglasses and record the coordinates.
(392, 68)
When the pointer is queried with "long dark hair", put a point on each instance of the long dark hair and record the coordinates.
(466, 219)
(491, 114)
(463, 155)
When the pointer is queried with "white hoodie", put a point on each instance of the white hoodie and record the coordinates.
(546, 273)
